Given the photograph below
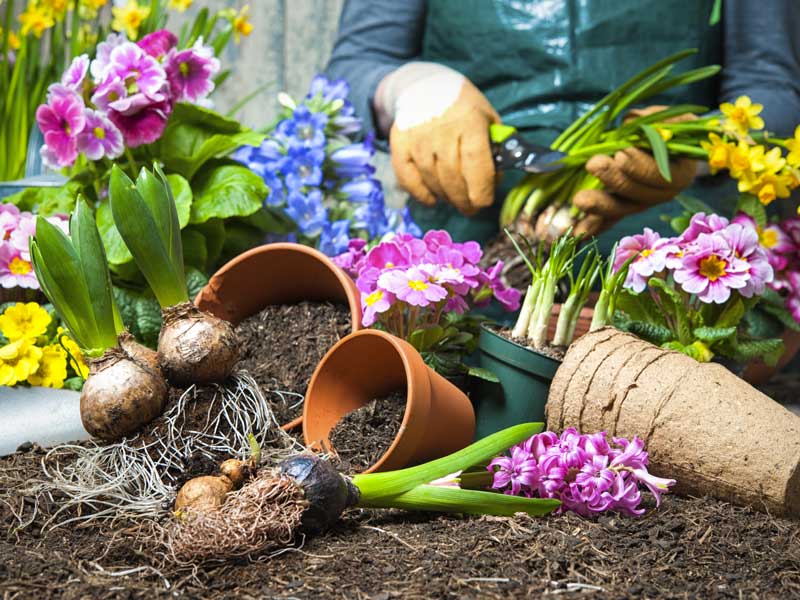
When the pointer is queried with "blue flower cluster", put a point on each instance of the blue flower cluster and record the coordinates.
(320, 177)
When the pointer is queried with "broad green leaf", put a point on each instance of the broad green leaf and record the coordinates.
(46, 201)
(195, 252)
(213, 231)
(659, 149)
(751, 205)
(673, 303)
(680, 223)
(732, 315)
(270, 220)
(761, 325)
(140, 231)
(239, 238)
(653, 333)
(713, 334)
(696, 350)
(782, 314)
(484, 374)
(227, 191)
(640, 307)
(693, 205)
(206, 118)
(172, 230)
(424, 339)
(769, 350)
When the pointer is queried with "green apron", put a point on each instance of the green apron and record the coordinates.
(542, 63)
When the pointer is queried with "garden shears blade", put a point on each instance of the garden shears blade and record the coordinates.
(511, 151)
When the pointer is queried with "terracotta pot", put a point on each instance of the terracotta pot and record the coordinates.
(280, 273)
(757, 372)
(368, 364)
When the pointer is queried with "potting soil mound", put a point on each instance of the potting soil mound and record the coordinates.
(362, 436)
(282, 345)
(688, 548)
(556, 352)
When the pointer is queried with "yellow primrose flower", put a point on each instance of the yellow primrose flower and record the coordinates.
(76, 360)
(36, 20)
(18, 360)
(180, 5)
(52, 369)
(793, 144)
(719, 152)
(241, 23)
(742, 116)
(129, 18)
(24, 321)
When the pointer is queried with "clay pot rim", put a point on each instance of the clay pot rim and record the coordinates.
(348, 285)
(414, 404)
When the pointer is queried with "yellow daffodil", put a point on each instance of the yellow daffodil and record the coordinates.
(24, 321)
(13, 39)
(744, 162)
(770, 186)
(180, 5)
(719, 152)
(88, 9)
(742, 116)
(76, 360)
(773, 161)
(793, 144)
(36, 20)
(18, 361)
(129, 18)
(52, 369)
(56, 8)
(242, 24)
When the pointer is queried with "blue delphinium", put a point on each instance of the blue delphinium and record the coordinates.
(320, 176)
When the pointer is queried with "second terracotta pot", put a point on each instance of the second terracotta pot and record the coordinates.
(369, 364)
(280, 273)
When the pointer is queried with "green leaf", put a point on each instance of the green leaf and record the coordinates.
(782, 314)
(149, 238)
(484, 374)
(680, 223)
(270, 220)
(472, 502)
(227, 191)
(693, 205)
(73, 383)
(195, 282)
(392, 483)
(213, 231)
(116, 250)
(640, 307)
(713, 334)
(195, 252)
(673, 303)
(751, 205)
(239, 238)
(696, 350)
(769, 350)
(653, 333)
(425, 339)
(205, 118)
(732, 315)
(46, 201)
(182, 192)
(659, 149)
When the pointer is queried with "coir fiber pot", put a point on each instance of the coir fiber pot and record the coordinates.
(369, 364)
(521, 394)
(280, 273)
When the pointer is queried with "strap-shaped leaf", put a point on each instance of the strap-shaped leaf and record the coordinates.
(145, 233)
(89, 247)
(659, 149)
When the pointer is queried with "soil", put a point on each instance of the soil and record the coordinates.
(688, 548)
(362, 436)
(283, 344)
(554, 352)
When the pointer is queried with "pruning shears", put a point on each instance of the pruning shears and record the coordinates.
(511, 151)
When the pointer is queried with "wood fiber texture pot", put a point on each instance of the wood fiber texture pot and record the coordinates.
(281, 273)
(369, 364)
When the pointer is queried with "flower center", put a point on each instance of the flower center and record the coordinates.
(304, 171)
(306, 132)
(719, 157)
(99, 133)
(19, 266)
(130, 82)
(739, 115)
(374, 297)
(645, 253)
(712, 267)
(418, 285)
(768, 238)
(184, 69)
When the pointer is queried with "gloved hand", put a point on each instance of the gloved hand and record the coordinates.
(632, 183)
(439, 135)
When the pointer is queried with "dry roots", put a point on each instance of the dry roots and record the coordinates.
(262, 516)
(135, 478)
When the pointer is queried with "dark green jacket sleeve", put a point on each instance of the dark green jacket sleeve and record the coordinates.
(375, 37)
(762, 58)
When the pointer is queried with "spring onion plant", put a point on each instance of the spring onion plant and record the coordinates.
(307, 494)
(124, 389)
(611, 283)
(193, 346)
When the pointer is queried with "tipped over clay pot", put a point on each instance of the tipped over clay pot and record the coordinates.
(368, 364)
(281, 273)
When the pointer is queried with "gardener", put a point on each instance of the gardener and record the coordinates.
(432, 76)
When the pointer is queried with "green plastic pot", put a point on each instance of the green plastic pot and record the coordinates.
(521, 394)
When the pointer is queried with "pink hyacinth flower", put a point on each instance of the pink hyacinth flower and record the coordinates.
(412, 286)
(100, 137)
(710, 269)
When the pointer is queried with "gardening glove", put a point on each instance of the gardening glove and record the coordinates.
(439, 135)
(632, 183)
